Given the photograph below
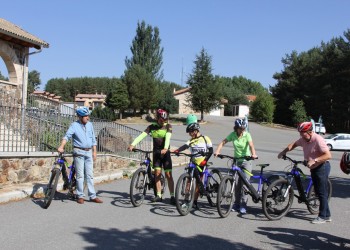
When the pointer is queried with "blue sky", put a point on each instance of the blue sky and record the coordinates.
(248, 38)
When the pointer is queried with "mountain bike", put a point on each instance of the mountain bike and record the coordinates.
(143, 179)
(226, 193)
(278, 197)
(186, 185)
(60, 166)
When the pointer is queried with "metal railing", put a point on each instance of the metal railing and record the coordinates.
(28, 129)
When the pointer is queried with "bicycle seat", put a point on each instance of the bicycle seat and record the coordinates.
(264, 165)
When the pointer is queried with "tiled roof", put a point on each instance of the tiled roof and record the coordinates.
(181, 91)
(91, 96)
(251, 98)
(14, 33)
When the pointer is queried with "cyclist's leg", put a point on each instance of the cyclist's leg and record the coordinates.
(157, 166)
(244, 197)
(89, 175)
(320, 178)
(79, 168)
(168, 169)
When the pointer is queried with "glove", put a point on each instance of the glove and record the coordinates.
(203, 163)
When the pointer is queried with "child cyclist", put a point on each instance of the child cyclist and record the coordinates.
(197, 143)
(243, 146)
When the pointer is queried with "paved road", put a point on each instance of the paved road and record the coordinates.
(115, 224)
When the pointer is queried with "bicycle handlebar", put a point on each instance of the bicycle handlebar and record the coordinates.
(142, 151)
(248, 158)
(189, 155)
(285, 157)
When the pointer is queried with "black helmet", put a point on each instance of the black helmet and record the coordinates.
(192, 127)
(345, 163)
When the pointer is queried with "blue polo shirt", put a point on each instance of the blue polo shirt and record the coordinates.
(83, 135)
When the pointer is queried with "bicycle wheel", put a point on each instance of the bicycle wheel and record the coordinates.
(277, 199)
(226, 196)
(72, 183)
(184, 193)
(162, 184)
(213, 184)
(138, 187)
(313, 204)
(51, 187)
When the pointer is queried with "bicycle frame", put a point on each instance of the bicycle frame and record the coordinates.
(296, 174)
(235, 170)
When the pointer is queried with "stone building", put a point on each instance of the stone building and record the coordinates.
(15, 45)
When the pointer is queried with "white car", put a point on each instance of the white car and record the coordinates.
(320, 128)
(338, 141)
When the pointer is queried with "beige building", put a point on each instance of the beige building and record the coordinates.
(238, 110)
(181, 96)
(90, 100)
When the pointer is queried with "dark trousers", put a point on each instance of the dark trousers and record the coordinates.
(319, 177)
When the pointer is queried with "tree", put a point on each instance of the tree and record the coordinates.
(298, 112)
(205, 93)
(141, 88)
(3, 77)
(262, 109)
(33, 81)
(118, 99)
(166, 98)
(146, 50)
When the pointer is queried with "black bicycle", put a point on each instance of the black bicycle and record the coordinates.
(143, 179)
(186, 185)
(60, 166)
(226, 193)
(278, 197)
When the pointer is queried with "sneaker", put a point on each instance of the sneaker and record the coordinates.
(172, 200)
(156, 199)
(235, 208)
(319, 220)
(242, 210)
(328, 219)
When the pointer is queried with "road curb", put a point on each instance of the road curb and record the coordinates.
(37, 190)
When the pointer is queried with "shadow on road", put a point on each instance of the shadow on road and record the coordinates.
(152, 238)
(302, 239)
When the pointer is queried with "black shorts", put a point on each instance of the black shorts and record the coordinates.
(162, 161)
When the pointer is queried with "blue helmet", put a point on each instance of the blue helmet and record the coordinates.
(83, 111)
(240, 123)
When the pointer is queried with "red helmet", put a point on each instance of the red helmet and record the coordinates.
(162, 114)
(305, 127)
(345, 163)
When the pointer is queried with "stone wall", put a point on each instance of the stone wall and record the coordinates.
(37, 169)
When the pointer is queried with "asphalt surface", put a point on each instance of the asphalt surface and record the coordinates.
(116, 224)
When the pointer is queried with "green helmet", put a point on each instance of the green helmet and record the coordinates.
(191, 119)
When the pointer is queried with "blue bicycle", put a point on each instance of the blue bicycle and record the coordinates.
(186, 187)
(226, 194)
(60, 166)
(278, 197)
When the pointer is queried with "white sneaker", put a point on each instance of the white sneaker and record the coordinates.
(318, 220)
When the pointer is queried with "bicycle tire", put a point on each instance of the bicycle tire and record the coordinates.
(213, 184)
(51, 187)
(163, 183)
(226, 196)
(72, 183)
(274, 204)
(184, 193)
(138, 187)
(313, 204)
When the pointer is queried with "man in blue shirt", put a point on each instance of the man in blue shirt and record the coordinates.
(84, 143)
